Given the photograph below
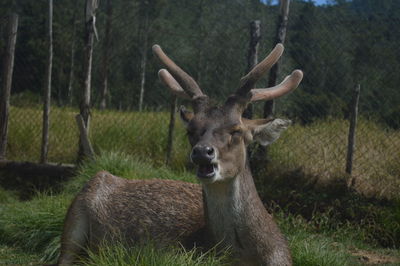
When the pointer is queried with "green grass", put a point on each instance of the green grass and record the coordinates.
(143, 134)
(322, 219)
(7, 196)
(318, 150)
(148, 255)
(127, 166)
(33, 228)
(15, 256)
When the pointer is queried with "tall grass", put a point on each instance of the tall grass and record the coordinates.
(143, 134)
(124, 165)
(149, 255)
(318, 150)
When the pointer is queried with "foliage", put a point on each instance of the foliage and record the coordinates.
(337, 45)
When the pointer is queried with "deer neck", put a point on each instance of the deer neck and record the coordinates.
(231, 206)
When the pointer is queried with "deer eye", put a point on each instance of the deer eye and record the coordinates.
(236, 132)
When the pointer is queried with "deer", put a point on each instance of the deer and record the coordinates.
(224, 209)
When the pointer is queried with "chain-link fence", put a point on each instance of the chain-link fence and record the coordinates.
(337, 46)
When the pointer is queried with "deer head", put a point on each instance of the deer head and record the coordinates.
(219, 135)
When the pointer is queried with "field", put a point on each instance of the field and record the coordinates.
(304, 185)
(317, 150)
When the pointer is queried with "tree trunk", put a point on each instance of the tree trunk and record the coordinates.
(260, 154)
(252, 56)
(106, 57)
(47, 89)
(352, 133)
(8, 67)
(269, 106)
(72, 60)
(84, 137)
(200, 42)
(144, 59)
(90, 30)
(60, 100)
(171, 129)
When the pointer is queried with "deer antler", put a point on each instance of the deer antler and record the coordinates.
(182, 84)
(287, 85)
(172, 84)
(248, 82)
(246, 92)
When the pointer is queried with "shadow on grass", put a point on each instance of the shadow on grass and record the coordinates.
(330, 205)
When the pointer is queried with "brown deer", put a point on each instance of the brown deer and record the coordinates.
(230, 211)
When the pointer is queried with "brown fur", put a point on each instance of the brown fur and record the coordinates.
(166, 210)
(235, 214)
(108, 206)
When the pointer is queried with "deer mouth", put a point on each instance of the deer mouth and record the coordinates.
(206, 170)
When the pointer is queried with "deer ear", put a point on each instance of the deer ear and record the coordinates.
(186, 115)
(269, 132)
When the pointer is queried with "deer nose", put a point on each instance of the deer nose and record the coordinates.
(202, 154)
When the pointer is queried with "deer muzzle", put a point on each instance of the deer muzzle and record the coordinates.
(204, 156)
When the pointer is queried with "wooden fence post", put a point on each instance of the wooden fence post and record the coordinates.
(106, 56)
(143, 61)
(87, 148)
(252, 56)
(72, 58)
(47, 89)
(90, 34)
(171, 129)
(352, 131)
(8, 66)
(283, 18)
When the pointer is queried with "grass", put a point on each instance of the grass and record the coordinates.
(143, 134)
(15, 256)
(148, 255)
(33, 228)
(325, 222)
(318, 150)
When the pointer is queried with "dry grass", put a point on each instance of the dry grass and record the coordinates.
(318, 150)
(143, 134)
(25, 129)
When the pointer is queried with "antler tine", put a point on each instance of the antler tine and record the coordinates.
(172, 84)
(287, 85)
(189, 86)
(248, 82)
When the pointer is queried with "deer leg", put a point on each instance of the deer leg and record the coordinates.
(75, 234)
